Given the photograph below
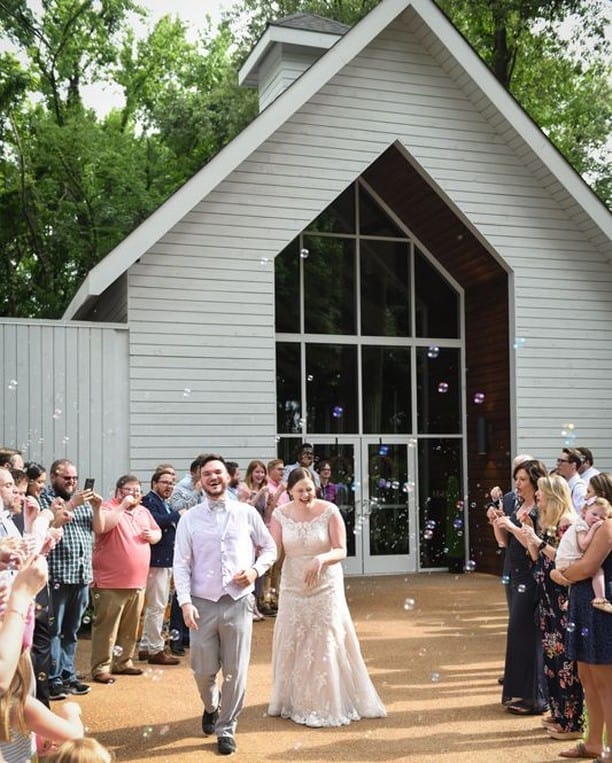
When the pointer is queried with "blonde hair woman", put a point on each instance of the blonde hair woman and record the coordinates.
(565, 697)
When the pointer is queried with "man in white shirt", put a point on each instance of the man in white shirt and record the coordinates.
(567, 466)
(586, 470)
(214, 572)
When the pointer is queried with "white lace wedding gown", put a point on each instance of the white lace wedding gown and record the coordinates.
(319, 677)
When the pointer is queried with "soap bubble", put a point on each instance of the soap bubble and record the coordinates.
(395, 485)
(428, 534)
(435, 677)
(409, 604)
(505, 579)
(310, 377)
(57, 413)
(117, 650)
(174, 634)
(229, 677)
(66, 440)
(443, 388)
(86, 619)
(469, 566)
(147, 731)
(584, 632)
(264, 261)
(479, 398)
(430, 524)
(519, 342)
(458, 523)
(12, 385)
(337, 411)
(521, 588)
(304, 254)
(433, 351)
(186, 392)
(412, 442)
(383, 450)
(164, 730)
(571, 627)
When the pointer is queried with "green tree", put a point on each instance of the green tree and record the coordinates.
(74, 183)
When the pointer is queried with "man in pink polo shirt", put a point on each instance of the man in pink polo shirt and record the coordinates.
(124, 531)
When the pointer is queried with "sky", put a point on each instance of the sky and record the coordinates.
(190, 11)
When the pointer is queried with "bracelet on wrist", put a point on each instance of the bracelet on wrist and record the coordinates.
(542, 546)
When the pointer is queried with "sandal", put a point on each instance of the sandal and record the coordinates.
(603, 605)
(579, 751)
(558, 732)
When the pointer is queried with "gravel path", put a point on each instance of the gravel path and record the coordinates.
(434, 645)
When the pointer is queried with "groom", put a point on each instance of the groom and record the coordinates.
(214, 572)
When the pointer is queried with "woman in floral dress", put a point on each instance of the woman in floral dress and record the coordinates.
(555, 514)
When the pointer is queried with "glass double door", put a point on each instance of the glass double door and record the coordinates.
(372, 482)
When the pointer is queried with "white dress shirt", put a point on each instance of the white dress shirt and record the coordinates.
(213, 545)
(578, 490)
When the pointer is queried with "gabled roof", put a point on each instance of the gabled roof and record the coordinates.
(311, 22)
(280, 110)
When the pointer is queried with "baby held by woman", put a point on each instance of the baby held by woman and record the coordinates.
(577, 539)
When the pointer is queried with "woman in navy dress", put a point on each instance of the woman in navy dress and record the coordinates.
(589, 631)
(524, 691)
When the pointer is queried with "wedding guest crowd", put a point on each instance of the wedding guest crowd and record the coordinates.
(556, 530)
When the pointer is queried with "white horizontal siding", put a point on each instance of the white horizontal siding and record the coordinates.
(202, 289)
(71, 397)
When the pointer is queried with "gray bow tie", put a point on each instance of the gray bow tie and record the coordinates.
(216, 505)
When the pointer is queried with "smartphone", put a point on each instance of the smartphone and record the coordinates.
(89, 483)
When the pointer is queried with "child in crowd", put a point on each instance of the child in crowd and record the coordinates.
(577, 539)
(86, 750)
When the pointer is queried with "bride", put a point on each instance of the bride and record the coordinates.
(319, 677)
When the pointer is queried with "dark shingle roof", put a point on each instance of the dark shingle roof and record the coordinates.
(312, 23)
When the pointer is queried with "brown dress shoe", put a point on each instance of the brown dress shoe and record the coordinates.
(143, 654)
(128, 672)
(104, 678)
(161, 658)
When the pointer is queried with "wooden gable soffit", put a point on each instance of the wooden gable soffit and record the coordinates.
(440, 32)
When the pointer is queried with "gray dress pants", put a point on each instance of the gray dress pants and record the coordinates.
(222, 642)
